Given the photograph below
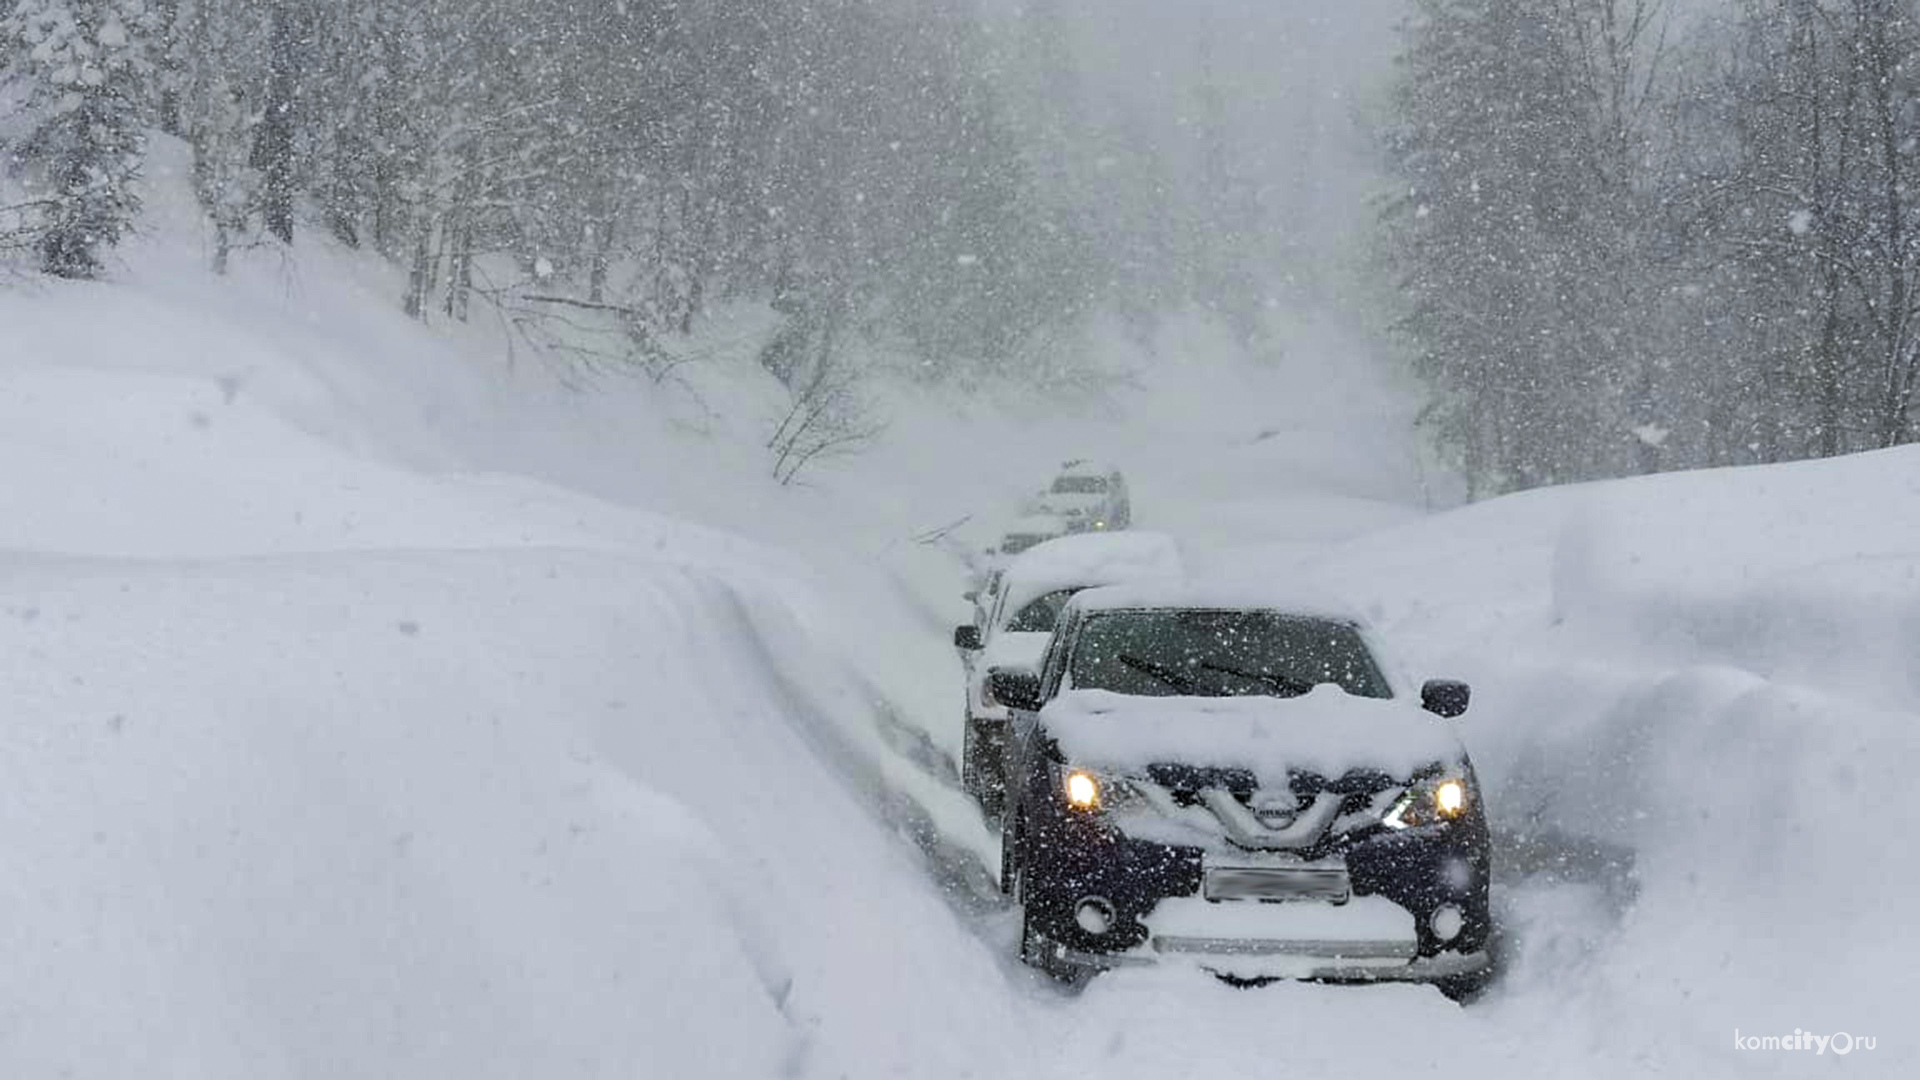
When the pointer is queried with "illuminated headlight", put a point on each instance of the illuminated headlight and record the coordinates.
(1429, 802)
(1099, 524)
(1082, 790)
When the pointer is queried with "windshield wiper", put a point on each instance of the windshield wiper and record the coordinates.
(1171, 676)
(1283, 685)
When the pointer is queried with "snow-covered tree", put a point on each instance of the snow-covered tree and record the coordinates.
(1624, 250)
(85, 66)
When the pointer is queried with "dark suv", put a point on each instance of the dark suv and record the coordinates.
(1244, 787)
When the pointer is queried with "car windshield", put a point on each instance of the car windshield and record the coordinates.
(1205, 653)
(1080, 485)
(1040, 616)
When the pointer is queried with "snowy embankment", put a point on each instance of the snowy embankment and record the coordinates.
(346, 735)
(407, 777)
(1718, 673)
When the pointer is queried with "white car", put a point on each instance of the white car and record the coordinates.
(1031, 531)
(1029, 593)
(988, 571)
(1089, 496)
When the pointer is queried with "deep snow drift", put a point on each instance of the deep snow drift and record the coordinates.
(382, 708)
(1721, 672)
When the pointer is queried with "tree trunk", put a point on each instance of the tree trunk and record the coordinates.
(274, 146)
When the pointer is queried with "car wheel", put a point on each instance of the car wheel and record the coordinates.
(980, 773)
(1465, 989)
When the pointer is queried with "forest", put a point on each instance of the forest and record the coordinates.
(1607, 236)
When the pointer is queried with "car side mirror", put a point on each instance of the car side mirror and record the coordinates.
(1014, 688)
(966, 636)
(1445, 697)
(970, 595)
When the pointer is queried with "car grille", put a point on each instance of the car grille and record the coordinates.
(1305, 813)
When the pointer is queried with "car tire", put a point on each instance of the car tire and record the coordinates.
(1010, 837)
(981, 773)
(1465, 989)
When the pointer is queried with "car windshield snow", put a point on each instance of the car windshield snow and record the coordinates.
(1202, 653)
(1080, 485)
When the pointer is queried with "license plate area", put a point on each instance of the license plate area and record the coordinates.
(1277, 884)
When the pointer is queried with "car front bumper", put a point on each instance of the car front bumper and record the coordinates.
(1341, 961)
(1403, 886)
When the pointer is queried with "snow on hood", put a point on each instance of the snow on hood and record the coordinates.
(1327, 731)
(1015, 650)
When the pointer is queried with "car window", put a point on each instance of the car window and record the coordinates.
(1040, 616)
(1205, 653)
(999, 604)
(1054, 666)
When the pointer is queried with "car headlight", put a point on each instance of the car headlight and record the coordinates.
(1431, 801)
(1091, 791)
(1082, 789)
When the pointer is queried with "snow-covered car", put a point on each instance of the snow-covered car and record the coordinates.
(990, 569)
(982, 593)
(1088, 495)
(1027, 598)
(1031, 530)
(1243, 785)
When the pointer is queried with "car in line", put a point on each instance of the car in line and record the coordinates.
(1025, 533)
(1201, 774)
(1012, 634)
(1090, 496)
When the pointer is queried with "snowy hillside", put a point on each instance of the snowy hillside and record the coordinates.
(380, 708)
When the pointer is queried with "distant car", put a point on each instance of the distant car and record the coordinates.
(1012, 634)
(1089, 496)
(1242, 785)
(1034, 528)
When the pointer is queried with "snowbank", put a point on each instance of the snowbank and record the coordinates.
(376, 709)
(1717, 670)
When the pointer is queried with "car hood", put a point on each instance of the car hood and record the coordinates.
(1015, 650)
(1326, 731)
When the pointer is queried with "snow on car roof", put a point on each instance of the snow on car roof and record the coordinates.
(1085, 467)
(1090, 559)
(1222, 595)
